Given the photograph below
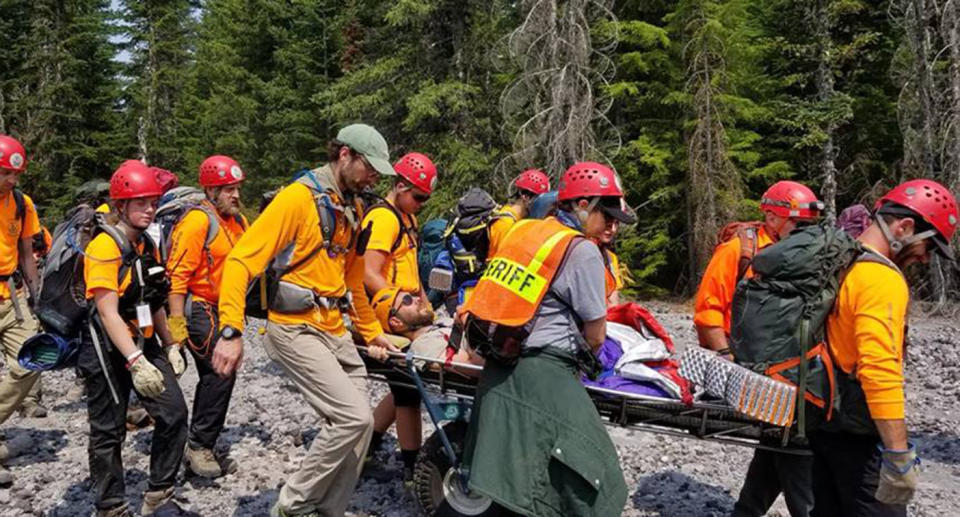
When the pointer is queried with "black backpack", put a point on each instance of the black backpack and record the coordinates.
(467, 237)
(779, 315)
(61, 305)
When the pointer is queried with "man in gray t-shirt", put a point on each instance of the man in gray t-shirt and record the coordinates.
(576, 295)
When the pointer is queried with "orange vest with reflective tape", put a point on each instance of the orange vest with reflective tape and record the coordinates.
(518, 276)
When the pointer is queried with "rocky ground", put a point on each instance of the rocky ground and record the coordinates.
(269, 427)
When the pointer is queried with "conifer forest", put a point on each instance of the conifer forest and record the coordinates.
(698, 104)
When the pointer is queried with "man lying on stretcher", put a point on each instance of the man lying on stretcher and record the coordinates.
(409, 320)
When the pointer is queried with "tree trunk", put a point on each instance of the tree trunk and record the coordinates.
(825, 93)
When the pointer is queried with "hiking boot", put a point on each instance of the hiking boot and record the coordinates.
(6, 477)
(408, 479)
(277, 511)
(172, 509)
(202, 462)
(117, 511)
(154, 499)
(33, 410)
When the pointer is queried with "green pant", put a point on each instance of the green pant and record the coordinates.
(16, 382)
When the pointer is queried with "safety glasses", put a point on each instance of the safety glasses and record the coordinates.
(405, 301)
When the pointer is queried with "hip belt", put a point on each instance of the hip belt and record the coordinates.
(294, 299)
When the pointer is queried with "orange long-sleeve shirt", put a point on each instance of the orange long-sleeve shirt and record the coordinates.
(715, 295)
(195, 270)
(865, 334)
(499, 228)
(291, 218)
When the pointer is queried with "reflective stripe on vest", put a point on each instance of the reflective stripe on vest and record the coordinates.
(517, 278)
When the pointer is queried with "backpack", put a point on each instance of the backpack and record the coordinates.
(747, 232)
(429, 248)
(466, 237)
(173, 207)
(62, 305)
(263, 289)
(779, 315)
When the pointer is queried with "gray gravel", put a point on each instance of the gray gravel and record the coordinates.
(269, 427)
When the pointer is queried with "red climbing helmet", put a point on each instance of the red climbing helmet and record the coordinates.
(533, 181)
(165, 178)
(418, 170)
(133, 179)
(791, 199)
(589, 179)
(13, 157)
(220, 171)
(929, 200)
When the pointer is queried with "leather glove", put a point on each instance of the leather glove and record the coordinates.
(178, 328)
(147, 379)
(898, 476)
(175, 356)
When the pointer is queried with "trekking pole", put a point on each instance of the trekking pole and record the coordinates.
(97, 346)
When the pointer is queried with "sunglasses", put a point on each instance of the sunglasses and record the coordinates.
(421, 198)
(405, 301)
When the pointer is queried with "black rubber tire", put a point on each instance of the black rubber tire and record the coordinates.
(431, 467)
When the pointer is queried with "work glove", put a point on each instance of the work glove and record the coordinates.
(175, 356)
(898, 476)
(178, 328)
(147, 379)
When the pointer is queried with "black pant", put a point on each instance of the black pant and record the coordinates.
(108, 420)
(212, 398)
(846, 472)
(771, 473)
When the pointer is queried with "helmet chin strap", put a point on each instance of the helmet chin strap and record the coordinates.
(898, 245)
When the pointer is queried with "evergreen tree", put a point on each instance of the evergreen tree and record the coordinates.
(159, 36)
(59, 93)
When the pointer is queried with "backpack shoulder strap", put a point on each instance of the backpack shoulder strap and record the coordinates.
(403, 226)
(213, 224)
(21, 207)
(128, 253)
(748, 249)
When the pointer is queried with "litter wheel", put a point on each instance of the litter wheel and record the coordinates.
(437, 485)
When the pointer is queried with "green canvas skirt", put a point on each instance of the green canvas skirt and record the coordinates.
(536, 443)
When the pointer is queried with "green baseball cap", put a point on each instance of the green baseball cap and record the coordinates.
(370, 143)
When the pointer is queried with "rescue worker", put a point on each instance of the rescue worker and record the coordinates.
(137, 416)
(18, 224)
(863, 463)
(524, 188)
(614, 271)
(195, 272)
(785, 205)
(127, 344)
(545, 289)
(390, 262)
(308, 339)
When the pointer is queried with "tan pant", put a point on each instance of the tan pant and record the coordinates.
(16, 382)
(331, 377)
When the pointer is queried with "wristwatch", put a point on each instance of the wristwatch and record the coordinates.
(229, 332)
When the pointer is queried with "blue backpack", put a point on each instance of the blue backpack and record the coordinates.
(430, 246)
